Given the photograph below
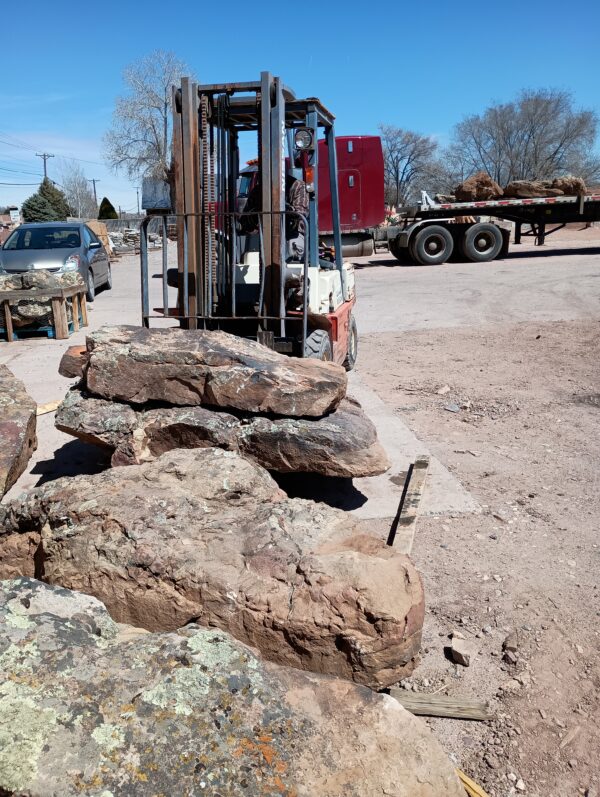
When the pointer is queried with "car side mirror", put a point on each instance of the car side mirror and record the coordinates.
(95, 245)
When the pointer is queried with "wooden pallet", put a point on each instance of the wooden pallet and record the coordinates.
(61, 328)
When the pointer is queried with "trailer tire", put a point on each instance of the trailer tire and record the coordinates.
(318, 346)
(352, 352)
(432, 245)
(482, 243)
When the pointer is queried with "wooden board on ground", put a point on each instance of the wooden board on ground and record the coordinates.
(442, 706)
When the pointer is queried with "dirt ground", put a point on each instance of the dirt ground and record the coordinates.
(495, 369)
(513, 411)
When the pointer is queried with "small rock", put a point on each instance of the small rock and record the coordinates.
(511, 642)
(543, 714)
(452, 407)
(512, 777)
(443, 390)
(491, 760)
(487, 629)
(519, 785)
(510, 657)
(573, 763)
(459, 652)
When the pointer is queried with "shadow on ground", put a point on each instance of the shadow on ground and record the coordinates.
(336, 492)
(73, 459)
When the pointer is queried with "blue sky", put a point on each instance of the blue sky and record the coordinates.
(421, 66)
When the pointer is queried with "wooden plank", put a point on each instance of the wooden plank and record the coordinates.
(472, 789)
(83, 306)
(415, 491)
(51, 406)
(8, 325)
(442, 706)
(41, 293)
(75, 309)
(59, 318)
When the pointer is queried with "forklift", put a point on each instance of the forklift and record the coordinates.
(260, 272)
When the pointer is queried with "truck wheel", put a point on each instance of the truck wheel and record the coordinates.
(432, 245)
(401, 253)
(482, 243)
(352, 353)
(318, 345)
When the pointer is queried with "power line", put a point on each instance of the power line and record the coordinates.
(19, 183)
(23, 145)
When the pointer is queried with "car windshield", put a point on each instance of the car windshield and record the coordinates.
(43, 238)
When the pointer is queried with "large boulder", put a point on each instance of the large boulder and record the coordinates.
(343, 443)
(17, 429)
(477, 188)
(90, 708)
(206, 535)
(530, 189)
(571, 186)
(188, 368)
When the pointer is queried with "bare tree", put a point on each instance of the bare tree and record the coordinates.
(139, 140)
(538, 136)
(76, 188)
(406, 156)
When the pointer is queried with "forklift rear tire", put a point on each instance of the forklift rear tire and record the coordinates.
(432, 245)
(352, 354)
(318, 345)
(482, 243)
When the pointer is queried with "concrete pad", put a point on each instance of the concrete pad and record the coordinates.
(443, 493)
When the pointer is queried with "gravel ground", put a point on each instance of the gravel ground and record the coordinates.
(512, 409)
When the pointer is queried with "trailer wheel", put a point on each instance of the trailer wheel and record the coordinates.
(352, 353)
(432, 245)
(482, 243)
(318, 345)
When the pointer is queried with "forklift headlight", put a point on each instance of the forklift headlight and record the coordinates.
(303, 138)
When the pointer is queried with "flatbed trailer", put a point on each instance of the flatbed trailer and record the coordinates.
(432, 232)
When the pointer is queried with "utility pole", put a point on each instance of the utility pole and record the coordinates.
(45, 156)
(94, 181)
(137, 191)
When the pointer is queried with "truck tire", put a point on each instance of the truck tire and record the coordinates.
(318, 345)
(401, 253)
(352, 353)
(432, 245)
(482, 243)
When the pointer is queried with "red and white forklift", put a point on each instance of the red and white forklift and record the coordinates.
(261, 272)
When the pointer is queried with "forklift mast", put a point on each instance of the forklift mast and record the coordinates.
(207, 123)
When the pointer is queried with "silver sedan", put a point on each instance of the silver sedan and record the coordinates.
(57, 247)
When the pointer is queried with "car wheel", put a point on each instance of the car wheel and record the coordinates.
(91, 288)
(108, 283)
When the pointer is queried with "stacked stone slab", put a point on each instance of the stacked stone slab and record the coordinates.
(144, 392)
(91, 708)
(17, 429)
(36, 310)
(206, 536)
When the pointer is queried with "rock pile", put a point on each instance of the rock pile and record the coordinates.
(37, 310)
(91, 708)
(480, 187)
(214, 389)
(17, 429)
(207, 536)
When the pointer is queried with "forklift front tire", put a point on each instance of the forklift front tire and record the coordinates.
(318, 345)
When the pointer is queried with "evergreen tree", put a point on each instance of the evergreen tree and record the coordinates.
(56, 199)
(37, 208)
(107, 210)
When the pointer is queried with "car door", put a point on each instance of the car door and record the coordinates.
(97, 256)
